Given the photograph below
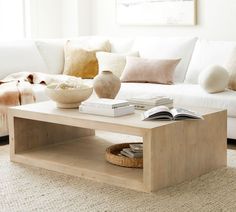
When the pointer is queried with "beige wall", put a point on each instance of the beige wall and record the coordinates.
(216, 20)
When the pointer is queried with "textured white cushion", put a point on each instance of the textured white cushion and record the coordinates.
(231, 132)
(167, 48)
(183, 94)
(113, 61)
(208, 53)
(53, 54)
(91, 43)
(214, 79)
(20, 56)
(231, 67)
(121, 44)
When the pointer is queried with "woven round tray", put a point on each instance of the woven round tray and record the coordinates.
(112, 156)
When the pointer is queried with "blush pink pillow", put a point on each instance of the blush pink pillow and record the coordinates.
(149, 70)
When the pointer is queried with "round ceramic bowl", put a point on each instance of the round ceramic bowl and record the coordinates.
(69, 98)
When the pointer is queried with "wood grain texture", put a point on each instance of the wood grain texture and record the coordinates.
(185, 150)
(63, 140)
(83, 157)
(31, 134)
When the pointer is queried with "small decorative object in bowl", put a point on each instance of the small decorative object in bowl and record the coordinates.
(69, 94)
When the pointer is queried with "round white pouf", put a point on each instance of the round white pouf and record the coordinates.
(214, 79)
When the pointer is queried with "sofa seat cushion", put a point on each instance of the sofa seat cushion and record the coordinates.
(40, 94)
(183, 94)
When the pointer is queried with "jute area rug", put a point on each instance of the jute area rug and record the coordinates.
(24, 188)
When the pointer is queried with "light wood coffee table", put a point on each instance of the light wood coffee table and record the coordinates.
(64, 140)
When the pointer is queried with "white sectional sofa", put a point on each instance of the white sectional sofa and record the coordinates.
(196, 54)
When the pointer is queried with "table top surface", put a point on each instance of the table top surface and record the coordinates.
(47, 111)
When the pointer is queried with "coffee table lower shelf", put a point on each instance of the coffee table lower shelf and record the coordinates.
(83, 157)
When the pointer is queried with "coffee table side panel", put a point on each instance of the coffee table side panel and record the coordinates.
(184, 150)
(147, 158)
(11, 130)
(26, 134)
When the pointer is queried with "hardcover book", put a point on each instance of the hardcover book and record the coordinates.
(151, 100)
(119, 111)
(105, 103)
(136, 147)
(129, 153)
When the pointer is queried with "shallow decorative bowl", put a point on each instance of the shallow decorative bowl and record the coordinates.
(69, 98)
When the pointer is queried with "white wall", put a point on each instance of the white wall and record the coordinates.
(59, 18)
(216, 20)
(69, 23)
(46, 18)
(84, 17)
(76, 18)
(11, 19)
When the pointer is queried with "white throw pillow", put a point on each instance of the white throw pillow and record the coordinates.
(113, 62)
(214, 79)
(208, 53)
(53, 55)
(18, 56)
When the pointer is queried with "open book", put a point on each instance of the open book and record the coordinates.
(164, 113)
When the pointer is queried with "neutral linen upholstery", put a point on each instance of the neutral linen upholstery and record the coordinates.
(149, 70)
(231, 67)
(91, 43)
(39, 91)
(16, 56)
(53, 55)
(214, 79)
(114, 62)
(231, 123)
(208, 53)
(183, 94)
(121, 44)
(167, 48)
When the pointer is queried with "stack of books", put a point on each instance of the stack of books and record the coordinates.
(134, 151)
(106, 107)
(147, 102)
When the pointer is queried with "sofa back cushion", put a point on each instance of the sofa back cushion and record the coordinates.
(121, 44)
(52, 51)
(231, 67)
(207, 53)
(17, 56)
(114, 62)
(167, 48)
